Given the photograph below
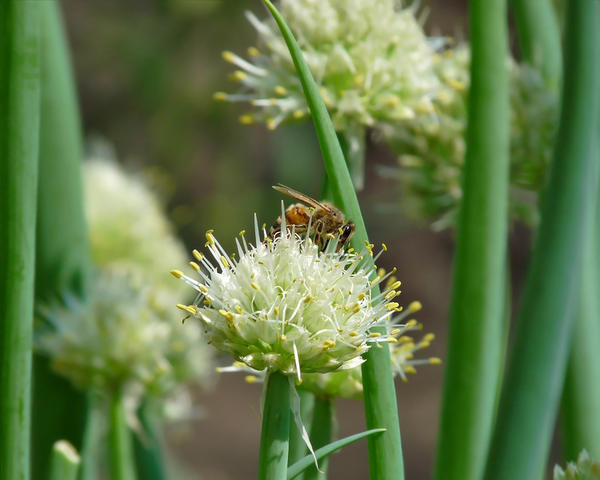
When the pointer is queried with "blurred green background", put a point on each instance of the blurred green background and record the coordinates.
(146, 71)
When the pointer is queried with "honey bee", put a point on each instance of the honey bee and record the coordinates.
(326, 221)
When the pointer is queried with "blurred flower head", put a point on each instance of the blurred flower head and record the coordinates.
(127, 226)
(287, 305)
(371, 60)
(584, 469)
(121, 338)
(125, 334)
(432, 147)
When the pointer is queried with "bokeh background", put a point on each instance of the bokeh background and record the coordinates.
(146, 71)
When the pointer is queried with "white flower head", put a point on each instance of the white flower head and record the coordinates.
(119, 339)
(584, 469)
(286, 304)
(432, 147)
(372, 61)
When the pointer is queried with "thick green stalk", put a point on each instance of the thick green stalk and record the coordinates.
(581, 391)
(91, 437)
(537, 366)
(19, 128)
(274, 438)
(120, 448)
(476, 335)
(381, 409)
(321, 434)
(539, 37)
(148, 450)
(65, 461)
(62, 257)
(297, 446)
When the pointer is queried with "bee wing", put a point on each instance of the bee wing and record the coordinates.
(290, 192)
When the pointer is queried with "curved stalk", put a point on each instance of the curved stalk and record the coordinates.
(381, 409)
(539, 37)
(475, 344)
(19, 129)
(535, 373)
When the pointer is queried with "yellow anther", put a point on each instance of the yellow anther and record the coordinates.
(391, 306)
(353, 334)
(239, 76)
(391, 101)
(246, 119)
(195, 266)
(197, 255)
(405, 339)
(271, 124)
(331, 236)
(351, 250)
(374, 335)
(276, 311)
(327, 344)
(435, 361)
(381, 272)
(456, 85)
(279, 90)
(220, 96)
(411, 323)
(177, 273)
(191, 309)
(242, 233)
(359, 80)
(424, 107)
(423, 344)
(410, 369)
(228, 56)
(227, 315)
(395, 285)
(395, 331)
(251, 378)
(206, 301)
(392, 340)
(362, 296)
(253, 51)
(429, 337)
(202, 288)
(225, 262)
(308, 299)
(283, 338)
(415, 306)
(209, 237)
(391, 294)
(239, 364)
(298, 114)
(254, 286)
(239, 309)
(356, 308)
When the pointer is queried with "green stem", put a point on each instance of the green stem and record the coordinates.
(148, 450)
(19, 128)
(89, 448)
(381, 411)
(65, 461)
(581, 392)
(539, 37)
(62, 253)
(321, 434)
(120, 448)
(475, 344)
(275, 434)
(537, 365)
(297, 447)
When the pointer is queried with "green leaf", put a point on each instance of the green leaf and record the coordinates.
(381, 410)
(120, 446)
(534, 378)
(19, 129)
(62, 250)
(477, 326)
(301, 465)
